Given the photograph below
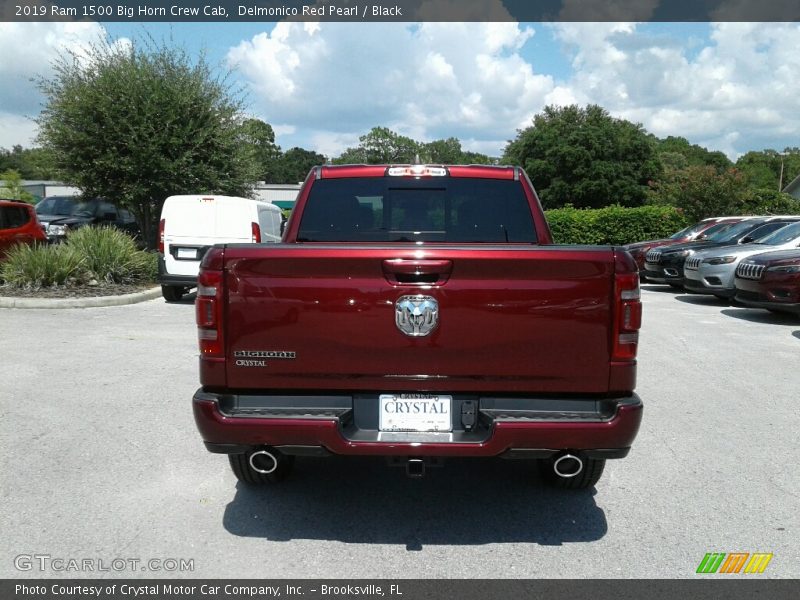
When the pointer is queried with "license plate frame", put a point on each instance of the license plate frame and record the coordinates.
(415, 412)
(186, 254)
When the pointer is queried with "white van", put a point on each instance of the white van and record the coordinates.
(191, 224)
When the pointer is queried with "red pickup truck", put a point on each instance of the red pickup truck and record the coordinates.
(418, 312)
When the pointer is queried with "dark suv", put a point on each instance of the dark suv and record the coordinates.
(61, 214)
(18, 225)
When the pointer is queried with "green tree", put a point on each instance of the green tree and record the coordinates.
(446, 152)
(31, 163)
(762, 170)
(692, 154)
(585, 157)
(11, 187)
(702, 192)
(294, 164)
(381, 146)
(449, 152)
(258, 139)
(142, 122)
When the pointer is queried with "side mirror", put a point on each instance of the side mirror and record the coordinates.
(746, 239)
(702, 236)
(283, 226)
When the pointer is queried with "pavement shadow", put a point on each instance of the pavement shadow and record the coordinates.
(796, 334)
(467, 502)
(703, 300)
(756, 315)
(186, 299)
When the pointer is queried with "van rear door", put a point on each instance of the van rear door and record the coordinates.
(190, 224)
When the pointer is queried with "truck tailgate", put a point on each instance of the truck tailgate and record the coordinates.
(510, 319)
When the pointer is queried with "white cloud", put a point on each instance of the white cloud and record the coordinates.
(16, 129)
(735, 93)
(331, 143)
(27, 51)
(321, 85)
(428, 80)
(283, 129)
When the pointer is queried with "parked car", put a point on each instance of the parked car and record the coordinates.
(770, 281)
(191, 224)
(664, 264)
(639, 250)
(18, 225)
(53, 208)
(713, 271)
(61, 214)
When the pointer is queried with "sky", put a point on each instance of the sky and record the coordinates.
(732, 87)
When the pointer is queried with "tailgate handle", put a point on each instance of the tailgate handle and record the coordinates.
(417, 271)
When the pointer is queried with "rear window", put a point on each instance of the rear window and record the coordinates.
(12, 217)
(390, 209)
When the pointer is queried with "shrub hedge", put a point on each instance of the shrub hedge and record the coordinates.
(614, 224)
(40, 266)
(109, 255)
(92, 253)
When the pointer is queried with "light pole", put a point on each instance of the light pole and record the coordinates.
(780, 180)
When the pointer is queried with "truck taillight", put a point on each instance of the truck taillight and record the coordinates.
(208, 313)
(161, 236)
(256, 233)
(628, 316)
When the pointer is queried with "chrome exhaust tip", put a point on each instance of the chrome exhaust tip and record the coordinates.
(568, 465)
(263, 462)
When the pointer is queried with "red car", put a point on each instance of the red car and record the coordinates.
(18, 225)
(694, 232)
(771, 281)
(418, 312)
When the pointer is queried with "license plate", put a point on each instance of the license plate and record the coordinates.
(187, 253)
(415, 412)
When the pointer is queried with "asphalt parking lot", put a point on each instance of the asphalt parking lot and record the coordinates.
(100, 459)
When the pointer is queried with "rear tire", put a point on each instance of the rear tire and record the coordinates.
(588, 477)
(240, 465)
(172, 293)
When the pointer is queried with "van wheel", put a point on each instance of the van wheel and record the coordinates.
(172, 293)
(588, 477)
(240, 465)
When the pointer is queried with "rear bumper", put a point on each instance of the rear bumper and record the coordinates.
(165, 278)
(513, 428)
